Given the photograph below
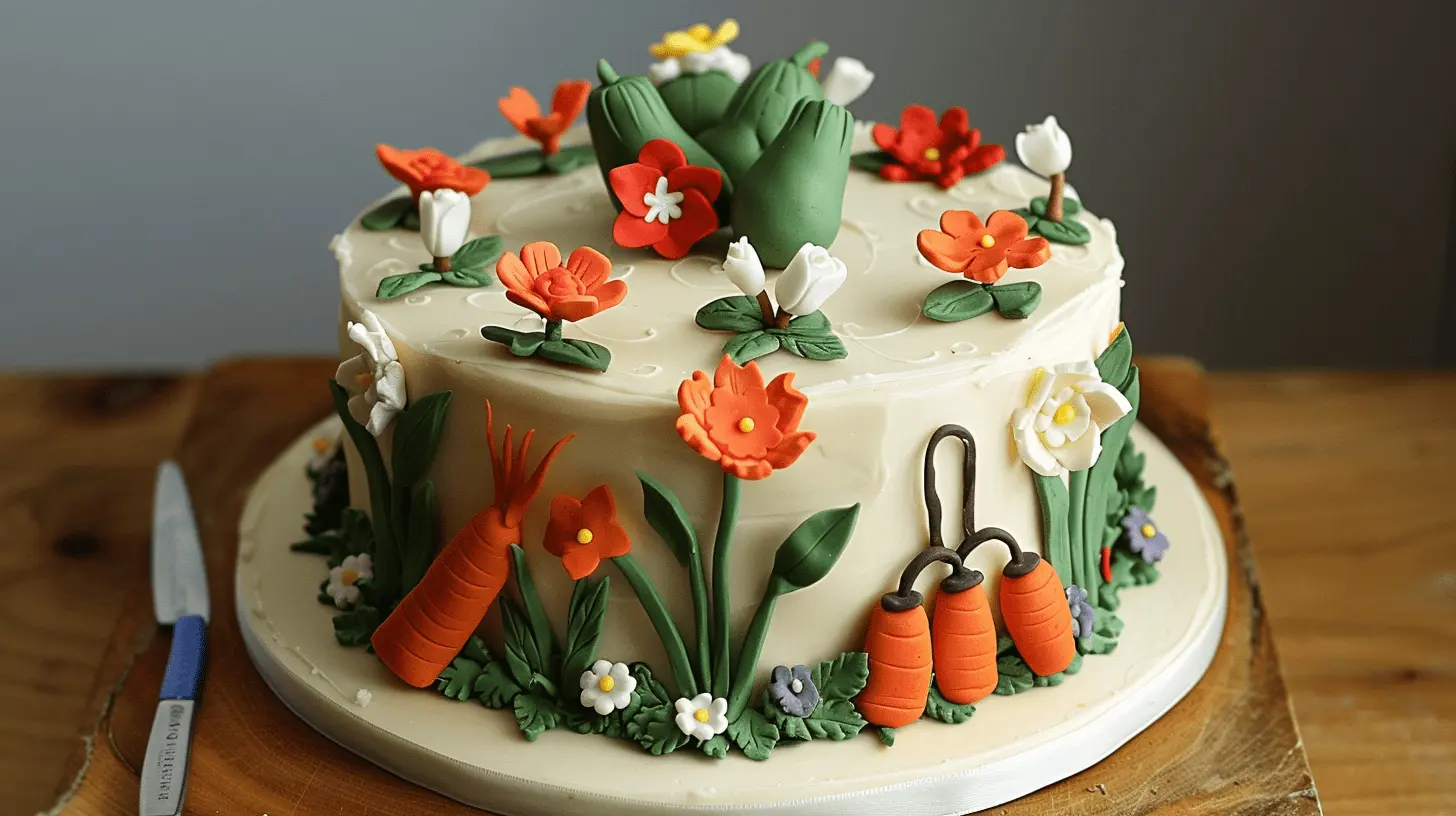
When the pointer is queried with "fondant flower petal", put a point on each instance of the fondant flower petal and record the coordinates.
(698, 220)
(630, 182)
(983, 158)
(943, 251)
(787, 451)
(513, 273)
(692, 431)
(1006, 227)
(580, 562)
(540, 257)
(569, 98)
(741, 380)
(519, 107)
(961, 224)
(1106, 403)
(589, 266)
(789, 401)
(609, 294)
(572, 308)
(984, 270)
(884, 135)
(529, 300)
(663, 154)
(1081, 453)
(955, 123)
(898, 172)
(749, 469)
(694, 394)
(634, 231)
(691, 177)
(1034, 453)
(1030, 253)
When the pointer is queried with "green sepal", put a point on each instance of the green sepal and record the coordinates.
(956, 301)
(417, 435)
(834, 720)
(717, 747)
(585, 616)
(667, 517)
(521, 344)
(1016, 301)
(394, 286)
(750, 346)
(813, 548)
(737, 313)
(1067, 231)
(871, 161)
(579, 353)
(842, 678)
(939, 708)
(571, 158)
(754, 735)
(387, 215)
(473, 258)
(522, 658)
(494, 688)
(536, 714)
(357, 625)
(513, 165)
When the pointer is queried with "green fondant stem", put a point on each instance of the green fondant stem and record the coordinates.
(722, 611)
(386, 552)
(1076, 526)
(672, 642)
(700, 617)
(752, 649)
(1054, 524)
(553, 330)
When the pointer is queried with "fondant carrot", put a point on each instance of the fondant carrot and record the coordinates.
(963, 636)
(430, 626)
(1033, 606)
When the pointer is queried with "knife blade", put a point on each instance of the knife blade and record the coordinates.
(180, 598)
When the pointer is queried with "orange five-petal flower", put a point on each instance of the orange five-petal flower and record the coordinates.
(429, 169)
(737, 421)
(522, 110)
(982, 252)
(537, 280)
(584, 531)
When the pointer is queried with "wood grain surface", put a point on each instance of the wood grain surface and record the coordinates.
(1371, 678)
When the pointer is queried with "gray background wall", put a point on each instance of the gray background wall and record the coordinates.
(1281, 173)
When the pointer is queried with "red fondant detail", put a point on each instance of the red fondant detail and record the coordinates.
(957, 246)
(596, 512)
(926, 151)
(713, 412)
(700, 187)
(536, 280)
(1107, 560)
(429, 169)
(522, 110)
(815, 66)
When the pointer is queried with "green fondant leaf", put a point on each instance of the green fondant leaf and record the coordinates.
(387, 215)
(536, 714)
(458, 678)
(1114, 364)
(419, 546)
(665, 514)
(1067, 231)
(585, 615)
(411, 219)
(754, 735)
(513, 165)
(357, 531)
(871, 161)
(790, 727)
(570, 158)
(417, 437)
(650, 692)
(521, 344)
(1075, 666)
(1029, 217)
(1070, 206)
(939, 708)
(541, 634)
(886, 736)
(813, 548)
(738, 313)
(467, 278)
(843, 677)
(834, 720)
(717, 747)
(475, 650)
(1014, 676)
(750, 346)
(494, 688)
(1107, 624)
(654, 729)
(583, 720)
(474, 257)
(521, 656)
(956, 301)
(357, 625)
(395, 286)
(579, 353)
(823, 348)
(1016, 301)
(813, 324)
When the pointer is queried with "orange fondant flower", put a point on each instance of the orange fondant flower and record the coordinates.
(524, 113)
(982, 252)
(537, 280)
(429, 169)
(752, 430)
(584, 531)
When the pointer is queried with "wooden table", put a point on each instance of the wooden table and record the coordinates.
(1332, 467)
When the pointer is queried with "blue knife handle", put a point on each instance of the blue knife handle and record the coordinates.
(185, 661)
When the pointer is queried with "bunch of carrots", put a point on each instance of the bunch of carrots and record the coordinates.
(957, 644)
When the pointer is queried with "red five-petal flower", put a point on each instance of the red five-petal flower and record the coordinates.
(583, 532)
(926, 151)
(524, 113)
(666, 202)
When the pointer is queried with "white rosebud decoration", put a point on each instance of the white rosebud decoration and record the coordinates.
(444, 221)
(1045, 148)
(607, 687)
(744, 268)
(1067, 409)
(375, 376)
(810, 279)
(703, 716)
(847, 81)
(344, 579)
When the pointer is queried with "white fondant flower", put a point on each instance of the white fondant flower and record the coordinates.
(810, 279)
(662, 204)
(324, 449)
(703, 716)
(665, 71)
(607, 686)
(1067, 408)
(847, 81)
(721, 58)
(1045, 148)
(444, 221)
(744, 268)
(344, 579)
(375, 376)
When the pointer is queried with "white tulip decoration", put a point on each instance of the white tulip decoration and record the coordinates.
(444, 224)
(810, 279)
(847, 81)
(745, 270)
(1046, 149)
(1067, 409)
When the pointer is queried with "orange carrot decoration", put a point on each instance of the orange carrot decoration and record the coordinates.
(524, 113)
(430, 626)
(1033, 605)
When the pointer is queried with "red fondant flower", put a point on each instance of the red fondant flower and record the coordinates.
(666, 202)
(538, 281)
(584, 531)
(524, 113)
(943, 153)
(982, 252)
(429, 169)
(750, 429)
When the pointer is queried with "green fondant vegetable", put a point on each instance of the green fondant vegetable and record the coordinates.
(794, 194)
(697, 101)
(759, 109)
(625, 113)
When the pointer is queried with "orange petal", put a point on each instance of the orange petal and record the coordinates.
(693, 433)
(609, 294)
(598, 508)
(1006, 227)
(519, 108)
(589, 266)
(943, 251)
(961, 224)
(513, 273)
(750, 469)
(787, 451)
(694, 395)
(540, 257)
(1028, 254)
(529, 300)
(397, 164)
(569, 98)
(742, 381)
(574, 307)
(987, 271)
(789, 401)
(580, 562)
(562, 526)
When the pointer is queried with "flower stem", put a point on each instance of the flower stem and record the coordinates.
(722, 611)
(442, 265)
(386, 552)
(672, 642)
(1077, 508)
(700, 616)
(781, 321)
(753, 642)
(553, 329)
(766, 307)
(1054, 201)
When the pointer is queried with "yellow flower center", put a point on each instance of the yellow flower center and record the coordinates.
(932, 154)
(348, 577)
(746, 424)
(321, 444)
(1064, 414)
(988, 240)
(1148, 531)
(364, 380)
(606, 683)
(701, 715)
(584, 536)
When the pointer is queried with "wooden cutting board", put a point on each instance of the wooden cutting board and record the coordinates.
(1231, 746)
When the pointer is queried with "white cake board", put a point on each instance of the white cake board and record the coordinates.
(1011, 747)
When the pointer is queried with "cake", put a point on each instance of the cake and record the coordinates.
(722, 423)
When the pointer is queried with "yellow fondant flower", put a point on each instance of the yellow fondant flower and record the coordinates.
(700, 39)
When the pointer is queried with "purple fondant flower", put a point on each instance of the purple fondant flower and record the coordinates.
(793, 690)
(1143, 536)
(1083, 616)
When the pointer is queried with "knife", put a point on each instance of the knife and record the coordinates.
(179, 596)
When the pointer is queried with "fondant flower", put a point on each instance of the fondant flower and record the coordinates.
(982, 252)
(325, 448)
(536, 280)
(699, 39)
(429, 169)
(750, 429)
(744, 268)
(607, 687)
(1045, 149)
(666, 202)
(522, 110)
(1067, 408)
(374, 376)
(344, 579)
(1143, 536)
(810, 279)
(793, 690)
(444, 221)
(583, 531)
(703, 716)
(925, 151)
(847, 81)
(327, 467)
(1083, 616)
